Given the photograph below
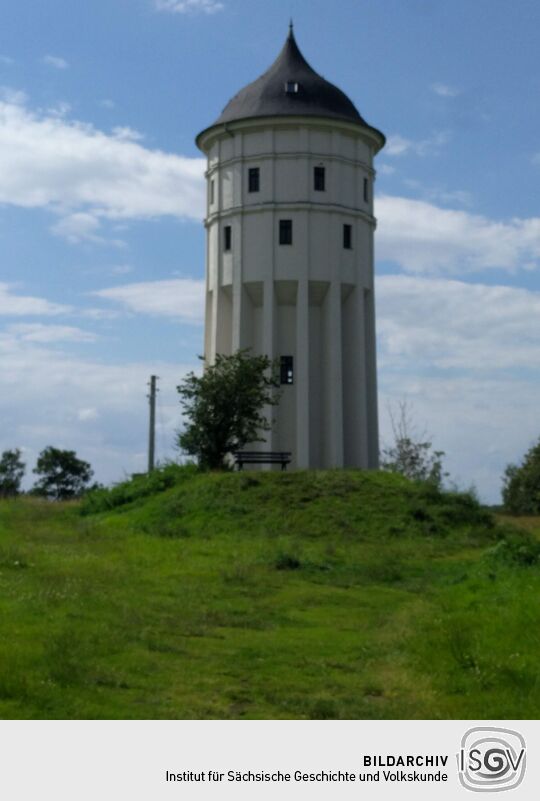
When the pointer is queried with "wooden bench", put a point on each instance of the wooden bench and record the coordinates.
(262, 457)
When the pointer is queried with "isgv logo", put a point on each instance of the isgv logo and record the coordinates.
(491, 760)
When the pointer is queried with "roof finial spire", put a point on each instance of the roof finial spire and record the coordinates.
(291, 26)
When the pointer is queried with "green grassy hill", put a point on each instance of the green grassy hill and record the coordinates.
(298, 595)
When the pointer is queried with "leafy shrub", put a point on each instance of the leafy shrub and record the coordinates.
(411, 454)
(11, 473)
(516, 548)
(224, 406)
(464, 507)
(436, 511)
(63, 474)
(137, 488)
(521, 484)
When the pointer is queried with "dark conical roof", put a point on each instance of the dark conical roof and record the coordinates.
(309, 94)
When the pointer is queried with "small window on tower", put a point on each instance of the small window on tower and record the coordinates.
(319, 179)
(253, 179)
(366, 190)
(347, 237)
(212, 191)
(291, 87)
(227, 237)
(286, 370)
(285, 232)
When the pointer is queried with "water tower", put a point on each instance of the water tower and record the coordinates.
(290, 230)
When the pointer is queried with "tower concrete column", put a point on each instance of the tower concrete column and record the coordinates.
(237, 295)
(354, 378)
(214, 318)
(335, 378)
(302, 374)
(268, 346)
(371, 383)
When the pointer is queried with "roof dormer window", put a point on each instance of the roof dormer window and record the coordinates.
(291, 87)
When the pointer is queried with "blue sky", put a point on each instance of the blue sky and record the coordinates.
(102, 197)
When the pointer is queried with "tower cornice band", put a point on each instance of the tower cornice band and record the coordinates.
(373, 136)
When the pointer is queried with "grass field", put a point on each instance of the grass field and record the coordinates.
(299, 595)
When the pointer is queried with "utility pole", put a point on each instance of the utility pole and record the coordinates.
(152, 427)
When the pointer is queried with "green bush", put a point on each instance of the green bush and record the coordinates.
(62, 475)
(136, 488)
(11, 473)
(224, 406)
(464, 507)
(516, 548)
(411, 454)
(521, 484)
(434, 511)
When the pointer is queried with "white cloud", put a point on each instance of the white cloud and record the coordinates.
(397, 145)
(13, 305)
(11, 96)
(107, 103)
(49, 162)
(422, 237)
(179, 298)
(127, 134)
(447, 324)
(386, 169)
(451, 196)
(83, 227)
(56, 62)
(460, 196)
(444, 90)
(189, 6)
(87, 414)
(78, 227)
(47, 334)
(100, 314)
(60, 109)
(6, 60)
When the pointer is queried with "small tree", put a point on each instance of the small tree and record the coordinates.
(11, 473)
(521, 484)
(224, 406)
(411, 455)
(63, 474)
